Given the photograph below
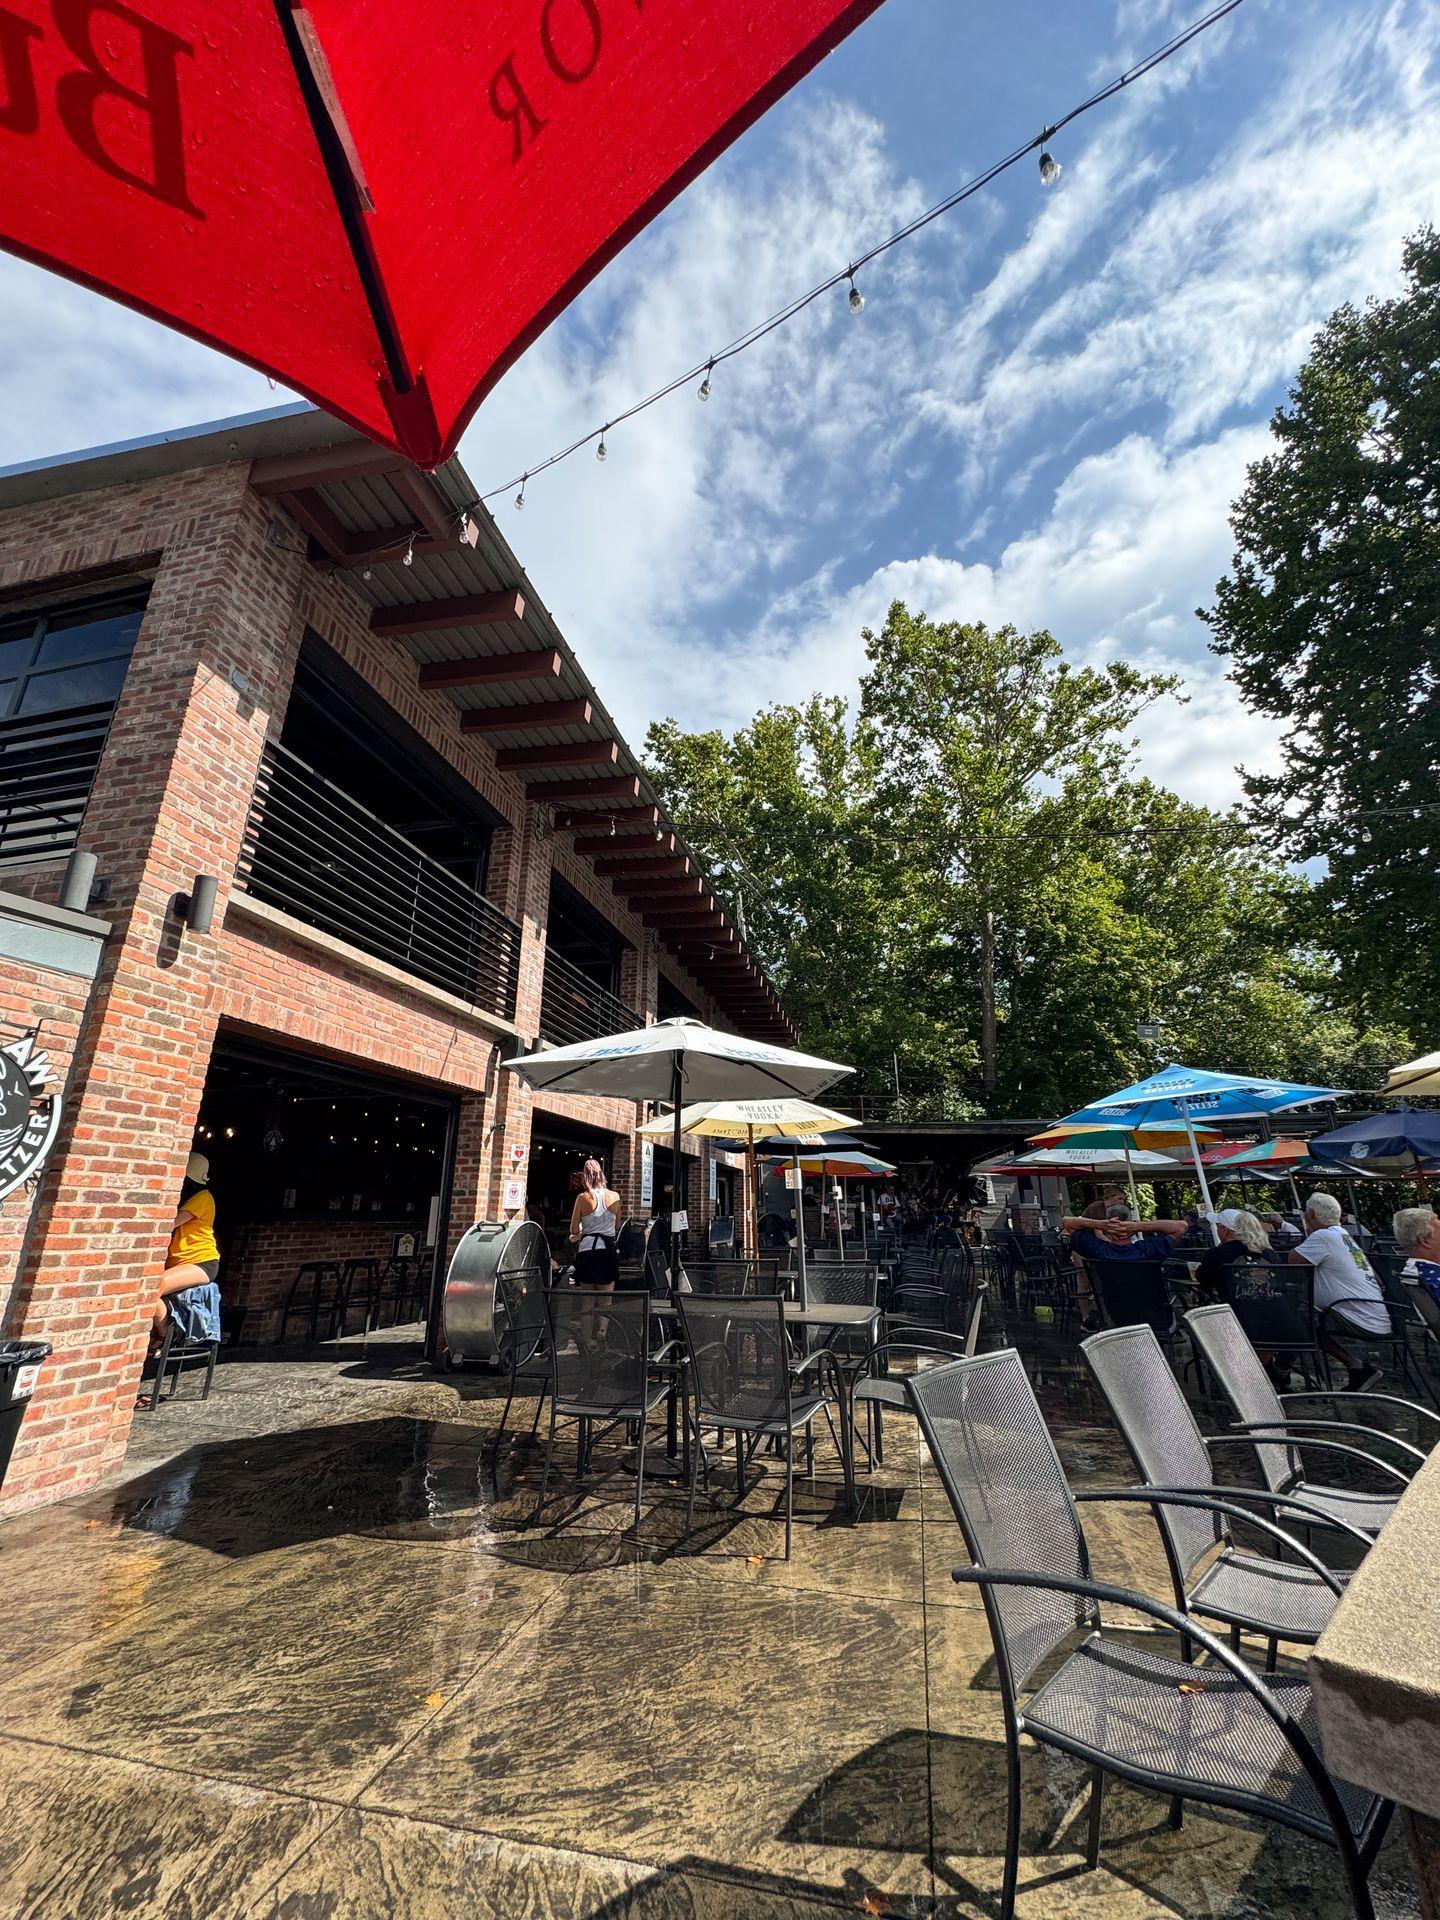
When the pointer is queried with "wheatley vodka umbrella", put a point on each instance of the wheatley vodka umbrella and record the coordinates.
(671, 1060)
(1415, 1078)
(751, 1120)
(1189, 1094)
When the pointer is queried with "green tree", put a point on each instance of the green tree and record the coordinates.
(784, 816)
(1329, 617)
(993, 751)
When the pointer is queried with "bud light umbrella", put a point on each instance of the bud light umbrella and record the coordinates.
(379, 202)
(669, 1060)
(1386, 1146)
(1188, 1094)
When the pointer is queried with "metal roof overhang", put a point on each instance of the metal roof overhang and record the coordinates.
(463, 603)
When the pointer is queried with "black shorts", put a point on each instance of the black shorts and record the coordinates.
(210, 1269)
(597, 1266)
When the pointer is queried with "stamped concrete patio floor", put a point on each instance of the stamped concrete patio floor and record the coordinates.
(312, 1656)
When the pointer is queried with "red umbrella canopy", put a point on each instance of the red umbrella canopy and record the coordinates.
(379, 202)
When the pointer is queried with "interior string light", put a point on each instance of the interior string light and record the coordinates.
(704, 370)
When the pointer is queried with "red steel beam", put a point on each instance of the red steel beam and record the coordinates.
(643, 865)
(351, 460)
(496, 669)
(588, 817)
(462, 610)
(530, 713)
(623, 787)
(576, 753)
(603, 843)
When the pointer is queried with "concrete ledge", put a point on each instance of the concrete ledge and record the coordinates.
(245, 907)
(40, 935)
(1376, 1668)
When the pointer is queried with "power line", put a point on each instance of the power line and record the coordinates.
(1049, 173)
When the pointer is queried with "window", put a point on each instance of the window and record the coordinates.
(61, 671)
(343, 730)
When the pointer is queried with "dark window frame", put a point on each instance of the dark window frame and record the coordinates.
(49, 758)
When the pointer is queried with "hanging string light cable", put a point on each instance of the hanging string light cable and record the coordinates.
(703, 370)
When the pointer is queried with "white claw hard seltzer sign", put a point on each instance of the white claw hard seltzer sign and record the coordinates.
(29, 1111)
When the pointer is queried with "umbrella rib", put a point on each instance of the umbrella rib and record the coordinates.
(332, 137)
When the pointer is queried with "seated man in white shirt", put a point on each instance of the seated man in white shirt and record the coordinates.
(1346, 1290)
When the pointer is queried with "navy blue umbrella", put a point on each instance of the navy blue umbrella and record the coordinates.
(1386, 1146)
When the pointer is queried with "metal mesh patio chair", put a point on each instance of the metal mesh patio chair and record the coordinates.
(601, 1345)
(740, 1373)
(1134, 1293)
(866, 1381)
(523, 1337)
(1275, 1304)
(1246, 1385)
(1248, 1592)
(1220, 1735)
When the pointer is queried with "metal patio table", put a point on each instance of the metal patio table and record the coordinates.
(836, 1317)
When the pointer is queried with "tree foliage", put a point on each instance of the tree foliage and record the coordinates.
(963, 872)
(1329, 617)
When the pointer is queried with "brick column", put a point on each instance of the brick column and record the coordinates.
(525, 854)
(212, 662)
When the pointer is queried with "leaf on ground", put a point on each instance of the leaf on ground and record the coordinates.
(434, 1699)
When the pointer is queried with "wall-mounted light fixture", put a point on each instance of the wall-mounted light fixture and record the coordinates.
(197, 908)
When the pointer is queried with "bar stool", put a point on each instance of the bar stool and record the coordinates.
(362, 1272)
(314, 1290)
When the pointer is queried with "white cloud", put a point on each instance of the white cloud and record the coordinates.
(1135, 540)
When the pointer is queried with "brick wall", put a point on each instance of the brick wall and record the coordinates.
(57, 1002)
(263, 1259)
(208, 683)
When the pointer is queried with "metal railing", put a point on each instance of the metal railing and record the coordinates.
(313, 851)
(47, 768)
(573, 1007)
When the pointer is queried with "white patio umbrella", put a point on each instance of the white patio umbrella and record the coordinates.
(752, 1120)
(1415, 1078)
(670, 1060)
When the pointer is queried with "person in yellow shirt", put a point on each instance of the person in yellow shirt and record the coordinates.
(189, 1295)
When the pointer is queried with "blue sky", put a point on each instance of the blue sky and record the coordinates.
(1042, 414)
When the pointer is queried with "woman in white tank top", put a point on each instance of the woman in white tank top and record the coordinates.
(593, 1227)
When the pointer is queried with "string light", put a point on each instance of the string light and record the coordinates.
(409, 559)
(602, 452)
(704, 370)
(520, 496)
(857, 299)
(1050, 167)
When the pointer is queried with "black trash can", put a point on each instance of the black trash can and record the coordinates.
(19, 1369)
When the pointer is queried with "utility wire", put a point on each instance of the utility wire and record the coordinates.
(763, 328)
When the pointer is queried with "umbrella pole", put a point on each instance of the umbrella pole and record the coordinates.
(1130, 1176)
(677, 1095)
(800, 1224)
(1295, 1197)
(1200, 1172)
(754, 1192)
(840, 1219)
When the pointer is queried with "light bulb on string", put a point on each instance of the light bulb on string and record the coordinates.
(704, 393)
(857, 299)
(602, 452)
(1050, 168)
(409, 559)
(520, 496)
